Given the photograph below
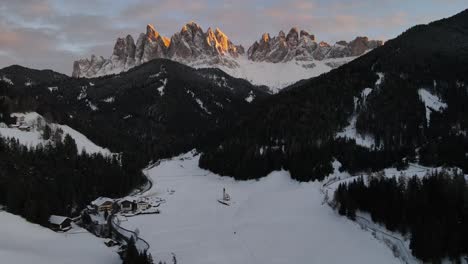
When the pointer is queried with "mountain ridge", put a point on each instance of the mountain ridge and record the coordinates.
(384, 96)
(213, 48)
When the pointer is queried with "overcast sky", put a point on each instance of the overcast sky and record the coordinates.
(51, 34)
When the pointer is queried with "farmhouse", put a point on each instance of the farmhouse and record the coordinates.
(60, 223)
(126, 205)
(103, 204)
(142, 205)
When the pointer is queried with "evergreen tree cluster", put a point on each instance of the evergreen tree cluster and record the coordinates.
(133, 256)
(432, 210)
(55, 179)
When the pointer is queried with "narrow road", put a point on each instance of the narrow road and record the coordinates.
(126, 234)
(394, 242)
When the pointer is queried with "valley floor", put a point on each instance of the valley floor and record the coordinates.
(273, 220)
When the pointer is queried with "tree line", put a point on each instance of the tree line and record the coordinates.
(55, 178)
(432, 210)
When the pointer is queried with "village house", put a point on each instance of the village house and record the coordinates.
(126, 205)
(103, 204)
(24, 128)
(60, 223)
(142, 205)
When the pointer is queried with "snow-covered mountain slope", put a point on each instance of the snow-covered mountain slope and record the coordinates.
(275, 62)
(33, 137)
(22, 243)
(273, 220)
(278, 75)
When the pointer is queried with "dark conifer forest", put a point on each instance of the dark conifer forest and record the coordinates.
(56, 179)
(432, 210)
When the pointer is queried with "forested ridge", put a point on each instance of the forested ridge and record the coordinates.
(157, 110)
(296, 128)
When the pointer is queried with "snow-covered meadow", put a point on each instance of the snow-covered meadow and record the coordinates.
(22, 242)
(272, 220)
(33, 137)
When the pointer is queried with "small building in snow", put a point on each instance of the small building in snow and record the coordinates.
(103, 204)
(142, 205)
(24, 128)
(60, 223)
(126, 205)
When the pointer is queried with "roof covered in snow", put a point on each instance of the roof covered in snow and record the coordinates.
(101, 200)
(57, 219)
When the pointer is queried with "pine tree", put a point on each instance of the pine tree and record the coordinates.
(46, 134)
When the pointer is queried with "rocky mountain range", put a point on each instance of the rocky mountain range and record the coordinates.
(189, 45)
(301, 45)
(212, 48)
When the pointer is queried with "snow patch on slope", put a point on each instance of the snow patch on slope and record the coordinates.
(250, 98)
(82, 142)
(7, 80)
(92, 106)
(83, 93)
(202, 106)
(350, 132)
(109, 100)
(432, 103)
(366, 92)
(53, 89)
(380, 79)
(34, 138)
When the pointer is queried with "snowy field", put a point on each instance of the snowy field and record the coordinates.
(22, 242)
(273, 220)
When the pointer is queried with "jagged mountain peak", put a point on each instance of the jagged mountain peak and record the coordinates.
(265, 37)
(191, 26)
(299, 44)
(196, 47)
(151, 32)
(294, 30)
(304, 33)
(189, 45)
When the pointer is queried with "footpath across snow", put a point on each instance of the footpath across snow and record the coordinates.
(272, 220)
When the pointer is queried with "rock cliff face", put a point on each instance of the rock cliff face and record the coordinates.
(191, 44)
(301, 45)
(212, 48)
